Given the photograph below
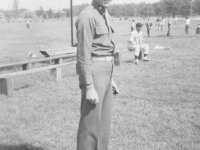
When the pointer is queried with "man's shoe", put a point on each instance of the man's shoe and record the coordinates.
(136, 62)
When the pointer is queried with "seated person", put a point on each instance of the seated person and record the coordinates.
(198, 29)
(135, 43)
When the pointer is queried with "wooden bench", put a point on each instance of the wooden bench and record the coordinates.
(6, 81)
(55, 52)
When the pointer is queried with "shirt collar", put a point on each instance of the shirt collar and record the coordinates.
(100, 8)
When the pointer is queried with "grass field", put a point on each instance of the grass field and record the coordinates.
(158, 107)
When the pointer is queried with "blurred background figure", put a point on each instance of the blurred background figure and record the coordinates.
(198, 29)
(132, 25)
(148, 26)
(169, 27)
(187, 25)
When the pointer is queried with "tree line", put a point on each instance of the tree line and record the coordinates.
(165, 8)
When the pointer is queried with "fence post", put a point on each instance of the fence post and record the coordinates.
(6, 86)
(26, 66)
(57, 71)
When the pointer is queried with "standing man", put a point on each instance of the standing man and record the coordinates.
(158, 23)
(135, 43)
(132, 25)
(28, 23)
(187, 25)
(169, 27)
(95, 49)
(148, 25)
(162, 23)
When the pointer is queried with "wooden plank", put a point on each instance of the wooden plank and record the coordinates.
(54, 52)
(6, 86)
(38, 60)
(34, 70)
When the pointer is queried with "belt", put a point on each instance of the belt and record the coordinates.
(103, 58)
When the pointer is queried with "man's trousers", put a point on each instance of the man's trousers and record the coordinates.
(137, 48)
(95, 120)
(187, 29)
(148, 31)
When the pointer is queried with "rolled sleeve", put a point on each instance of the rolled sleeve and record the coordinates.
(85, 32)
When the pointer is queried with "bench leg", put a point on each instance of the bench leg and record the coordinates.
(7, 86)
(26, 66)
(57, 71)
(141, 56)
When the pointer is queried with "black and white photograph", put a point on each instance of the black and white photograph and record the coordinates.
(99, 74)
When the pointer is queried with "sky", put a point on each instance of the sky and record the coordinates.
(57, 4)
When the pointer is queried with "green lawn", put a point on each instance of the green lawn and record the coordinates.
(158, 107)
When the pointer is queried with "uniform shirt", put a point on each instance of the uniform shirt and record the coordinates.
(94, 38)
(136, 38)
(187, 21)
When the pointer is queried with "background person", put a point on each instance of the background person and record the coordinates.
(132, 25)
(169, 27)
(95, 49)
(158, 23)
(198, 29)
(28, 23)
(135, 43)
(148, 26)
(187, 25)
(162, 23)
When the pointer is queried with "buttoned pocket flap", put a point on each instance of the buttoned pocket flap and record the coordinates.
(101, 30)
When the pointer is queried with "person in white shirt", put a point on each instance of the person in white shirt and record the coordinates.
(135, 43)
(132, 25)
(162, 23)
(187, 25)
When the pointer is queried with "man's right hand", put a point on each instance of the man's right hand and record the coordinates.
(91, 94)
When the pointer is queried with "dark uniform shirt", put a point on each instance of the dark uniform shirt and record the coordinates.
(94, 38)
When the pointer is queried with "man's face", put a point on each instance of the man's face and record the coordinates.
(104, 3)
(139, 29)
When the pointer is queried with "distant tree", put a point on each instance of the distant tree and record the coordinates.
(15, 8)
(185, 7)
(157, 7)
(40, 12)
(67, 11)
(196, 7)
(50, 13)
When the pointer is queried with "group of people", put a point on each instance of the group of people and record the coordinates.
(187, 26)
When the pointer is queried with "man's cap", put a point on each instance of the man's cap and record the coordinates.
(139, 24)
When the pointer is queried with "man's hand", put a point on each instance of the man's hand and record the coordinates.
(91, 94)
(115, 89)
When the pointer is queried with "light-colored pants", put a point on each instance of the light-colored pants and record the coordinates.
(137, 48)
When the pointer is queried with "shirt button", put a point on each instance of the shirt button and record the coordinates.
(100, 8)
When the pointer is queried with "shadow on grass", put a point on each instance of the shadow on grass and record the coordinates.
(162, 36)
(20, 147)
(20, 88)
(129, 61)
